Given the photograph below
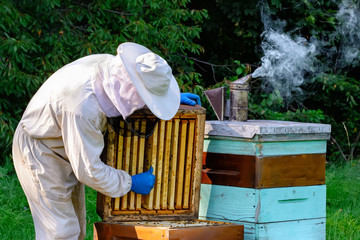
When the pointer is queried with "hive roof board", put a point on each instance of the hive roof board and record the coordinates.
(251, 128)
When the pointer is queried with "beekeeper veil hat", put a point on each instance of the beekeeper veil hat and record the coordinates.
(138, 77)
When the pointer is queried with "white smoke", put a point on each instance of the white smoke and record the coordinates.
(348, 30)
(290, 61)
(286, 59)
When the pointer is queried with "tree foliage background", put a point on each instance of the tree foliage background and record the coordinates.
(39, 37)
(207, 43)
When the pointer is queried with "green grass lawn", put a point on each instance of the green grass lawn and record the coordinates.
(343, 202)
(15, 217)
(342, 220)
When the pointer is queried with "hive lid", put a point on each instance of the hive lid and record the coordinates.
(252, 128)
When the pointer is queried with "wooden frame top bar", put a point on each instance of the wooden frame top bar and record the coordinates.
(182, 109)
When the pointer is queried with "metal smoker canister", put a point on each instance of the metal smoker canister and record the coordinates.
(239, 91)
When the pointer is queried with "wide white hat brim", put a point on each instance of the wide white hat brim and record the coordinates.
(163, 106)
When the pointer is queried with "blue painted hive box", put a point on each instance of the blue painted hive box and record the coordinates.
(267, 175)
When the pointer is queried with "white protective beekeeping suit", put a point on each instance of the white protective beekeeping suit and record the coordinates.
(58, 142)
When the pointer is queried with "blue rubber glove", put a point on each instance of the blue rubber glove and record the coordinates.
(143, 182)
(189, 99)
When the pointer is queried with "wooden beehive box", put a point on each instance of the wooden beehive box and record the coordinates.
(266, 175)
(174, 151)
(268, 213)
(264, 154)
(164, 230)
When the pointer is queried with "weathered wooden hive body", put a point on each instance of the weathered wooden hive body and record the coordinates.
(268, 176)
(170, 211)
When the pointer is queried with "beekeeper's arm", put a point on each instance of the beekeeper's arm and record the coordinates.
(84, 142)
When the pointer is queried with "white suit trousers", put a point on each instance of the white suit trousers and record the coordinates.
(54, 217)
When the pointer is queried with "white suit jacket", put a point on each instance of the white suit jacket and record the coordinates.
(66, 117)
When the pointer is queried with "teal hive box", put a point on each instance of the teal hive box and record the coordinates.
(285, 210)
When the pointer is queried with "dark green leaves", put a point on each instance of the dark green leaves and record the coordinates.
(38, 38)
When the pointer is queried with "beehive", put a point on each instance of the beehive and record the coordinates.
(266, 175)
(174, 151)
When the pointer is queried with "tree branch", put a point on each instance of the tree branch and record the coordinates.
(119, 13)
(212, 65)
(342, 153)
(80, 28)
(107, 10)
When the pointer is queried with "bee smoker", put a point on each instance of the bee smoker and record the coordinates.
(236, 107)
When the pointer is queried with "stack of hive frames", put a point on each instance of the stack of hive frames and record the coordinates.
(174, 151)
(267, 175)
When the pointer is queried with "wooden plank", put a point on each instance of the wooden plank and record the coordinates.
(284, 204)
(113, 231)
(295, 230)
(292, 137)
(165, 212)
(119, 160)
(173, 164)
(190, 230)
(165, 177)
(275, 137)
(199, 144)
(133, 164)
(159, 165)
(140, 166)
(227, 203)
(111, 148)
(229, 146)
(149, 199)
(235, 232)
(263, 172)
(184, 111)
(181, 165)
(314, 229)
(150, 215)
(264, 148)
(291, 148)
(188, 164)
(262, 205)
(148, 149)
(251, 128)
(145, 211)
(126, 167)
(293, 170)
(124, 212)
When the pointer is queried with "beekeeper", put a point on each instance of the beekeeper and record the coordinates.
(58, 142)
